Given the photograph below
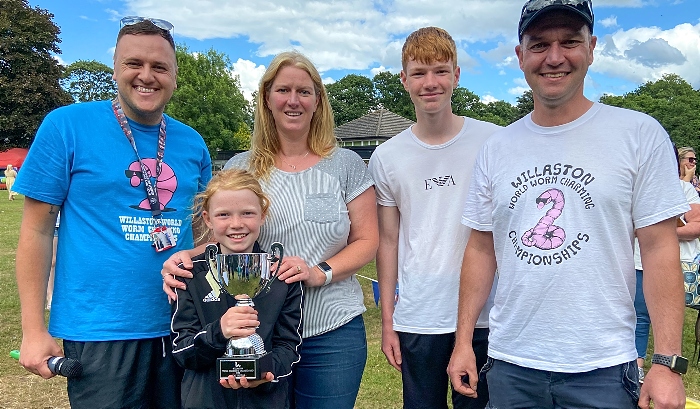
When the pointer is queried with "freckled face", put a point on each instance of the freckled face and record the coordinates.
(234, 217)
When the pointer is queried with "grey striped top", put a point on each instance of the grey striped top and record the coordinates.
(309, 216)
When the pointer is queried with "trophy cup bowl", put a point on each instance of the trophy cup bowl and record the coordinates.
(247, 274)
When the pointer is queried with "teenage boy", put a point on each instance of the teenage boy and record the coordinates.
(558, 220)
(422, 178)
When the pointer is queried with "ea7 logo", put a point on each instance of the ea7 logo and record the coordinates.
(439, 182)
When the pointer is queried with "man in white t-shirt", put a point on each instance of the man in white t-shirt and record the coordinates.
(558, 220)
(422, 178)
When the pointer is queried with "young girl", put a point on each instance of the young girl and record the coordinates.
(233, 207)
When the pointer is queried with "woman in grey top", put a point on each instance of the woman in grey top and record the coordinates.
(324, 212)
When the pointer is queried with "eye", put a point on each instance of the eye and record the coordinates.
(160, 68)
(305, 92)
(282, 90)
(538, 47)
(132, 64)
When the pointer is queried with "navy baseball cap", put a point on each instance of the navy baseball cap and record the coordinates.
(535, 8)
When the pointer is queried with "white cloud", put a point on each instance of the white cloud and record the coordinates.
(487, 99)
(647, 53)
(609, 22)
(249, 75)
(520, 88)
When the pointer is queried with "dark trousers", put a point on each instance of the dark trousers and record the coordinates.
(424, 360)
(134, 374)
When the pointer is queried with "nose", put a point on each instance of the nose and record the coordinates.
(293, 98)
(235, 221)
(146, 74)
(430, 80)
(555, 54)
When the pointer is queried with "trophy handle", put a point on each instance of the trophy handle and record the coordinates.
(277, 253)
(210, 253)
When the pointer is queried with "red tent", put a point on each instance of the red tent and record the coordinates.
(14, 156)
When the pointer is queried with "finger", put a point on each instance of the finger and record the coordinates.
(173, 282)
(172, 297)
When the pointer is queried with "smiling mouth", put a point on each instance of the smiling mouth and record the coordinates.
(557, 75)
(144, 89)
(237, 236)
(294, 114)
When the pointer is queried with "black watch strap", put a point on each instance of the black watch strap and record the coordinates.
(676, 363)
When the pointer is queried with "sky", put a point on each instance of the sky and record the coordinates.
(638, 40)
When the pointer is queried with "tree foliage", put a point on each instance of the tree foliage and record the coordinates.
(89, 81)
(351, 97)
(208, 98)
(29, 75)
(392, 95)
(672, 101)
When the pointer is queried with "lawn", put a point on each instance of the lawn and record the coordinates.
(381, 384)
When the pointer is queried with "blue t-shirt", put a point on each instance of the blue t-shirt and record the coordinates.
(108, 284)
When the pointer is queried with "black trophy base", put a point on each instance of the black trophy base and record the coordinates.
(239, 366)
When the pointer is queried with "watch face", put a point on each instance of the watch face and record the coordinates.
(679, 365)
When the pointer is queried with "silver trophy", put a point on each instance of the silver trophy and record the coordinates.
(246, 274)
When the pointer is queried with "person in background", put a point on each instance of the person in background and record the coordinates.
(688, 165)
(10, 176)
(233, 207)
(439, 151)
(557, 220)
(122, 173)
(323, 211)
(688, 230)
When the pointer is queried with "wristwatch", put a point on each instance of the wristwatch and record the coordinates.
(677, 363)
(327, 270)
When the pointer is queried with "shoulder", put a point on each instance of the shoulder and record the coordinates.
(481, 126)
(239, 161)
(393, 141)
(345, 155)
(82, 109)
(173, 125)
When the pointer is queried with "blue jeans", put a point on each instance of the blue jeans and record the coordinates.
(330, 370)
(641, 331)
(513, 386)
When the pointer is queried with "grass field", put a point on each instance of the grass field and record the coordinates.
(381, 384)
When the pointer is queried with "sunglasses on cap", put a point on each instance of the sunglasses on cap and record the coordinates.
(162, 24)
(534, 8)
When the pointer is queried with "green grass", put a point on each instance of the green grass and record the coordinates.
(381, 384)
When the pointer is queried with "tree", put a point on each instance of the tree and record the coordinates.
(208, 98)
(351, 97)
(525, 104)
(672, 101)
(89, 81)
(392, 95)
(29, 75)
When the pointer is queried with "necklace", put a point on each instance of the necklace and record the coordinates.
(290, 165)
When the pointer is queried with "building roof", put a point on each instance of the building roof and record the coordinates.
(381, 123)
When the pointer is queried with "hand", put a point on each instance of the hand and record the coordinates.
(171, 269)
(36, 351)
(294, 269)
(391, 347)
(662, 387)
(239, 322)
(463, 362)
(231, 382)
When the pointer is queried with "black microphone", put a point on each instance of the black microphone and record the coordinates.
(68, 367)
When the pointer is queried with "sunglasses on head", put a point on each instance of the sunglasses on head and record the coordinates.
(162, 24)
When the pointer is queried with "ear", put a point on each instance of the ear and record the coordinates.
(594, 41)
(403, 80)
(458, 72)
(207, 220)
(519, 53)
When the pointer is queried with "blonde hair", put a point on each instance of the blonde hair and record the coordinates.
(684, 151)
(428, 45)
(264, 143)
(231, 179)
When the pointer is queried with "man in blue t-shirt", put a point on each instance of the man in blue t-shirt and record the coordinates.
(123, 175)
